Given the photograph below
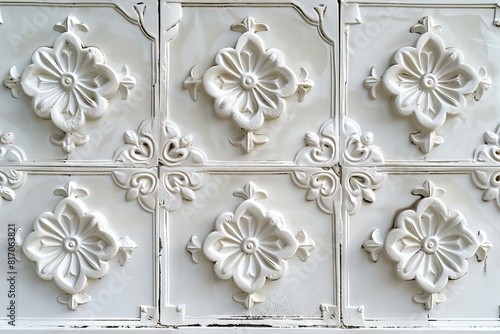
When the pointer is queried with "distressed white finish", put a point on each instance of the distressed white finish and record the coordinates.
(249, 166)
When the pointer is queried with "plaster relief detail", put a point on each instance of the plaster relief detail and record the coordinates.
(10, 179)
(72, 245)
(320, 151)
(359, 148)
(488, 180)
(139, 145)
(360, 186)
(428, 82)
(249, 83)
(69, 83)
(429, 244)
(140, 186)
(178, 149)
(251, 245)
(181, 185)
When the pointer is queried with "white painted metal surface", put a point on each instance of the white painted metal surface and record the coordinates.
(200, 166)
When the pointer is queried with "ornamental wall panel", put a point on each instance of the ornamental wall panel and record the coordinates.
(249, 166)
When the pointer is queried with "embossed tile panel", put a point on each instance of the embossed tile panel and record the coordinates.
(254, 256)
(426, 244)
(78, 259)
(243, 89)
(427, 91)
(191, 167)
(75, 94)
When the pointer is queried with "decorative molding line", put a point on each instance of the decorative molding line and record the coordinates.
(323, 17)
(180, 186)
(360, 186)
(429, 244)
(358, 145)
(10, 179)
(251, 245)
(178, 149)
(69, 83)
(428, 82)
(141, 186)
(249, 84)
(140, 147)
(72, 245)
(351, 13)
(171, 18)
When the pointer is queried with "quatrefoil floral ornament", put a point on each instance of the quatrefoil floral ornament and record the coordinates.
(429, 82)
(249, 84)
(69, 83)
(429, 244)
(251, 246)
(72, 245)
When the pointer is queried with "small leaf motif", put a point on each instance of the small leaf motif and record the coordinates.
(12, 81)
(193, 83)
(248, 299)
(7, 193)
(131, 138)
(428, 190)
(425, 25)
(312, 139)
(304, 85)
(187, 194)
(375, 245)
(429, 299)
(125, 249)
(249, 24)
(71, 24)
(484, 246)
(306, 246)
(484, 84)
(372, 82)
(194, 247)
(127, 82)
(71, 189)
(250, 191)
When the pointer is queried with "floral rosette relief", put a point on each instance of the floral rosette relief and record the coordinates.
(429, 244)
(72, 245)
(249, 84)
(251, 246)
(428, 82)
(69, 83)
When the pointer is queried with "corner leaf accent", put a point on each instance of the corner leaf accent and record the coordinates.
(69, 83)
(488, 179)
(428, 82)
(429, 244)
(360, 186)
(140, 186)
(178, 149)
(180, 186)
(359, 148)
(10, 179)
(251, 245)
(71, 245)
(249, 83)
(139, 148)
